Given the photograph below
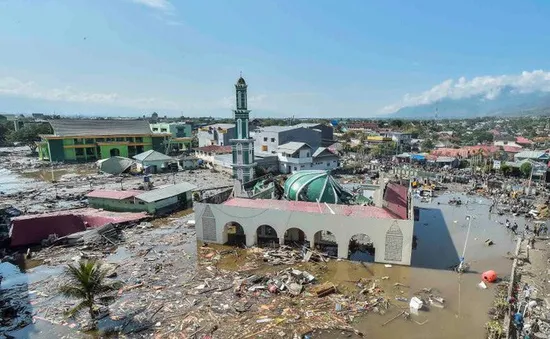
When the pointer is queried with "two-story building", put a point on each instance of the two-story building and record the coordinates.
(327, 132)
(299, 156)
(182, 134)
(90, 140)
(268, 139)
(398, 137)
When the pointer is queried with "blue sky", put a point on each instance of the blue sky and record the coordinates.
(302, 57)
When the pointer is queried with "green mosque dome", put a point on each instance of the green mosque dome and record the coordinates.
(315, 186)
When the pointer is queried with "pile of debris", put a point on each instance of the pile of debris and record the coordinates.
(286, 281)
(289, 255)
(282, 255)
(108, 234)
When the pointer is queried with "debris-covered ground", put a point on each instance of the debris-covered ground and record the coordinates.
(531, 293)
(165, 293)
(42, 187)
(174, 288)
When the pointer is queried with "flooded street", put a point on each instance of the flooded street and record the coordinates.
(12, 183)
(441, 233)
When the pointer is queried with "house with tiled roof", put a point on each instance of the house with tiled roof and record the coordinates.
(523, 141)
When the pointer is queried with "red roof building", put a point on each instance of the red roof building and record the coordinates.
(511, 149)
(523, 141)
(313, 207)
(32, 229)
(465, 152)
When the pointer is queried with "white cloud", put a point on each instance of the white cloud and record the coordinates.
(13, 87)
(16, 88)
(488, 86)
(162, 5)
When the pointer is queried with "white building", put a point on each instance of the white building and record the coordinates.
(399, 138)
(294, 156)
(298, 156)
(215, 135)
(325, 159)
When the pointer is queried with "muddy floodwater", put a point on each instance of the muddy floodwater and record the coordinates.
(441, 233)
(11, 182)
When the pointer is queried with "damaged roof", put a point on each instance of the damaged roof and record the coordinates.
(166, 192)
(90, 127)
(152, 155)
(323, 152)
(111, 194)
(293, 146)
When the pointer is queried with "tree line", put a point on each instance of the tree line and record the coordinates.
(27, 135)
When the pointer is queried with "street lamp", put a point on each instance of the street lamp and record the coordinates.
(462, 266)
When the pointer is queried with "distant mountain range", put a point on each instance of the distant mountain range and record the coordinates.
(508, 103)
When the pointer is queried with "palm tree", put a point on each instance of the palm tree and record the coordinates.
(86, 281)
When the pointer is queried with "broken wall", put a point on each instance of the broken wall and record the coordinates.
(32, 230)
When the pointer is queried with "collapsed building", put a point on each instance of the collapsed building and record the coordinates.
(312, 209)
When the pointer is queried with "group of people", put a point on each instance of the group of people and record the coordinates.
(537, 229)
(513, 227)
(524, 332)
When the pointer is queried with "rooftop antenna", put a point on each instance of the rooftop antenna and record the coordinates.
(241, 74)
(436, 110)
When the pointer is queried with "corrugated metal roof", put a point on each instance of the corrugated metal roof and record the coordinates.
(152, 155)
(222, 126)
(530, 154)
(276, 128)
(292, 146)
(289, 128)
(445, 159)
(307, 125)
(116, 195)
(86, 127)
(323, 152)
(166, 192)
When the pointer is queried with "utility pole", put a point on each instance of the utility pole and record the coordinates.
(530, 179)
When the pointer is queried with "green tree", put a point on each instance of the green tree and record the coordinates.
(5, 130)
(30, 134)
(525, 169)
(464, 164)
(195, 142)
(384, 149)
(476, 137)
(427, 145)
(505, 169)
(86, 282)
(396, 123)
